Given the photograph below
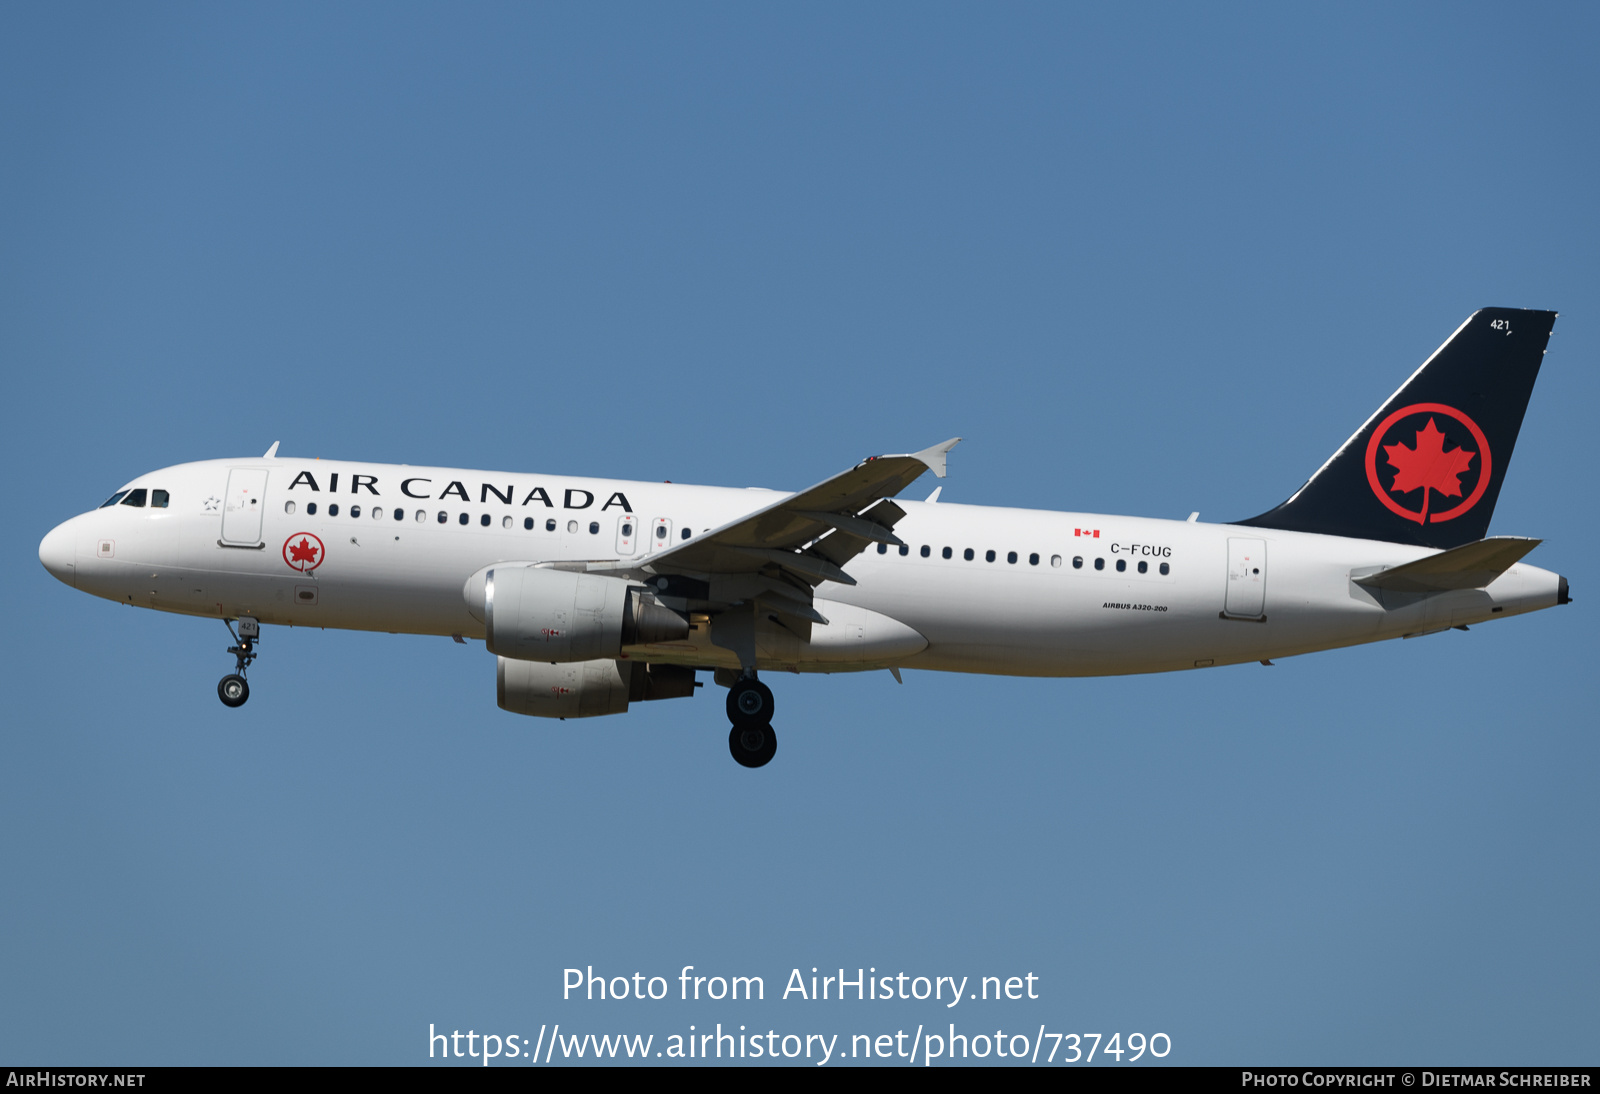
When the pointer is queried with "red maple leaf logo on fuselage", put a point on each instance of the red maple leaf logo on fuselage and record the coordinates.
(1428, 466)
(302, 551)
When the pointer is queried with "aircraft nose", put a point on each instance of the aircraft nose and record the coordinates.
(58, 552)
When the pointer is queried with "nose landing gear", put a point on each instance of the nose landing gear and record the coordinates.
(233, 689)
(752, 739)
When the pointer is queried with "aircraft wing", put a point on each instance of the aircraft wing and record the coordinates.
(781, 553)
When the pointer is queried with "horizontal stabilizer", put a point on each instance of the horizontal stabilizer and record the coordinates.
(1470, 566)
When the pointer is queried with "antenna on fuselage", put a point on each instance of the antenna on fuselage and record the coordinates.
(273, 451)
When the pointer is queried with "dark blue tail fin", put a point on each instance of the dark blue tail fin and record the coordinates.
(1427, 467)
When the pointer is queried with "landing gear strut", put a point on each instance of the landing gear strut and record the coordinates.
(752, 739)
(233, 689)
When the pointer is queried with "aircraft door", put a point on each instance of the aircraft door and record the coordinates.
(1247, 579)
(661, 534)
(627, 534)
(244, 506)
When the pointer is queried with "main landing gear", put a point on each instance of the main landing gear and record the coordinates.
(233, 689)
(752, 739)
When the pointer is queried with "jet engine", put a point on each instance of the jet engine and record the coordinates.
(584, 689)
(534, 614)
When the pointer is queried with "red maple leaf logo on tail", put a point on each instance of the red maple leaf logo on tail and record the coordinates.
(302, 551)
(1428, 467)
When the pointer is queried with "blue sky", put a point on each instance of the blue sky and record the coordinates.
(1149, 260)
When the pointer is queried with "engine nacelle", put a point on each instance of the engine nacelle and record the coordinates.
(579, 689)
(584, 689)
(534, 614)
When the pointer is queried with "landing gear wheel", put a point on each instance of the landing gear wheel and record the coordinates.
(752, 746)
(750, 704)
(233, 690)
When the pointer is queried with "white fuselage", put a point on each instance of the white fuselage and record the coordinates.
(1187, 594)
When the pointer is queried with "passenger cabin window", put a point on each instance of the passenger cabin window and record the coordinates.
(333, 510)
(464, 519)
(550, 525)
(1144, 567)
(926, 550)
(1011, 556)
(988, 556)
(594, 528)
(288, 507)
(444, 517)
(136, 498)
(527, 524)
(158, 499)
(1165, 569)
(904, 550)
(1122, 564)
(484, 520)
(422, 516)
(968, 554)
(505, 522)
(1055, 560)
(946, 552)
(113, 499)
(311, 508)
(1033, 559)
(399, 514)
(572, 527)
(355, 511)
(661, 531)
(1077, 562)
(686, 534)
(1099, 564)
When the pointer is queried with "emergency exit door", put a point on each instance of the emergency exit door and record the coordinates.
(1247, 579)
(627, 534)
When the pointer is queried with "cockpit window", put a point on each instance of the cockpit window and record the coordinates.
(113, 499)
(158, 499)
(136, 498)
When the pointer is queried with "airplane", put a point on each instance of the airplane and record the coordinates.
(597, 594)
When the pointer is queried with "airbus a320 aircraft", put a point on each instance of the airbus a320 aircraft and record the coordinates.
(596, 594)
